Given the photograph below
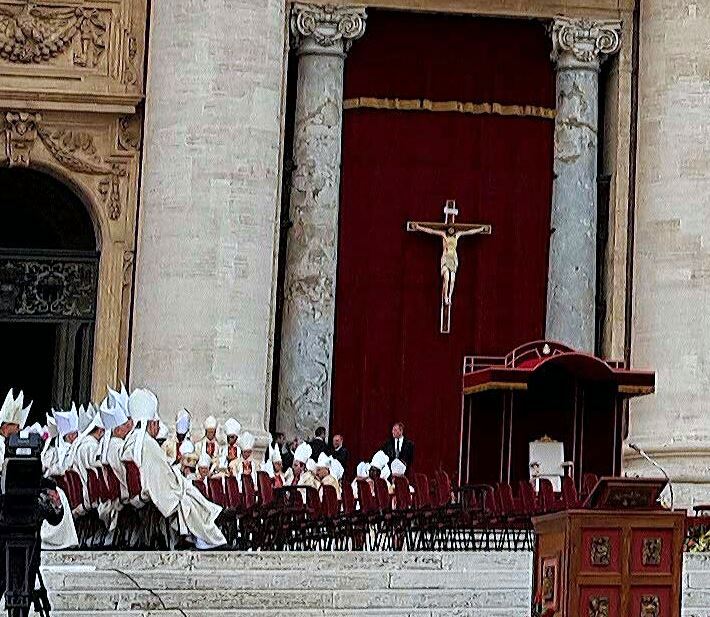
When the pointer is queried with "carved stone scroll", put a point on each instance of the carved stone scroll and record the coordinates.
(650, 606)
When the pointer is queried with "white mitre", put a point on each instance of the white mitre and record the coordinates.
(268, 467)
(143, 405)
(182, 424)
(67, 421)
(398, 467)
(363, 470)
(247, 441)
(380, 460)
(323, 460)
(232, 427)
(163, 432)
(303, 453)
(210, 423)
(12, 411)
(112, 417)
(336, 469)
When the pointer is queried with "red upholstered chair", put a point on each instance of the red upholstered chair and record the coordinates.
(589, 481)
(111, 482)
(248, 491)
(94, 487)
(216, 491)
(330, 509)
(367, 516)
(402, 514)
(234, 495)
(569, 494)
(546, 497)
(425, 527)
(133, 480)
(345, 521)
(266, 489)
(528, 498)
(76, 491)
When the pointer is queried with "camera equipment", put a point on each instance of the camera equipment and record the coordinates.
(27, 500)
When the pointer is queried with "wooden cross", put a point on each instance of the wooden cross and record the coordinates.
(449, 231)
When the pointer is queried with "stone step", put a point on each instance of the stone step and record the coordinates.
(309, 560)
(464, 612)
(300, 584)
(133, 599)
(75, 578)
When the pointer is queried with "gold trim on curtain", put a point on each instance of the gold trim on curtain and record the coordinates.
(528, 111)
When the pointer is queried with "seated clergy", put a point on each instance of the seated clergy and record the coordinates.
(116, 420)
(192, 515)
(361, 473)
(62, 456)
(50, 441)
(245, 464)
(278, 469)
(230, 451)
(209, 442)
(379, 467)
(323, 473)
(182, 433)
(300, 458)
(204, 467)
(188, 461)
(88, 449)
(308, 477)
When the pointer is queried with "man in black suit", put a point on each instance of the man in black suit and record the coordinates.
(340, 452)
(399, 446)
(318, 443)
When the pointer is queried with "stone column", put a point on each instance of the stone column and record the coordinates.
(322, 36)
(579, 46)
(208, 220)
(671, 284)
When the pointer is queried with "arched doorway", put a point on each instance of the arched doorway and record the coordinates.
(49, 266)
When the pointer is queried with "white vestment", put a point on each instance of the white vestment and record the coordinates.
(87, 457)
(173, 494)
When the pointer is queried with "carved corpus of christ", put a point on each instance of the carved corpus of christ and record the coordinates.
(449, 231)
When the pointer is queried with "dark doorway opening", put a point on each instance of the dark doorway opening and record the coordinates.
(48, 283)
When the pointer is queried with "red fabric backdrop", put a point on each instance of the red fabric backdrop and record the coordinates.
(391, 362)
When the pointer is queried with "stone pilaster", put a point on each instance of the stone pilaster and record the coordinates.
(671, 284)
(579, 46)
(322, 36)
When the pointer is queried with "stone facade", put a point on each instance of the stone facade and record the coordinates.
(204, 306)
(70, 86)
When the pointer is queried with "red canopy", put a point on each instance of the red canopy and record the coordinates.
(514, 371)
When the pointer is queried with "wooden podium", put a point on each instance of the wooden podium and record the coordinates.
(619, 557)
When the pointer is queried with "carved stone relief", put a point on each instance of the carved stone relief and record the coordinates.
(650, 606)
(32, 34)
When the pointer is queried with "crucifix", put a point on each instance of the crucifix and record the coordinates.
(449, 231)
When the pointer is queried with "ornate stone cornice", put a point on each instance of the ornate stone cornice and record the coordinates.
(326, 29)
(584, 42)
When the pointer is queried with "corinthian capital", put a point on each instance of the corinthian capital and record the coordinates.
(584, 42)
(326, 28)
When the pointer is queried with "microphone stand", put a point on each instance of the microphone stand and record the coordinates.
(640, 451)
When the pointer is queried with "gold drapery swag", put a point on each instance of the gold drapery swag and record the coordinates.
(528, 111)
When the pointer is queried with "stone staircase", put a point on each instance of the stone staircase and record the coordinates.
(232, 584)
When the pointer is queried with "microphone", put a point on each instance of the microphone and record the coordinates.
(640, 451)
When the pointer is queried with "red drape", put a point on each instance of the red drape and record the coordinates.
(391, 361)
